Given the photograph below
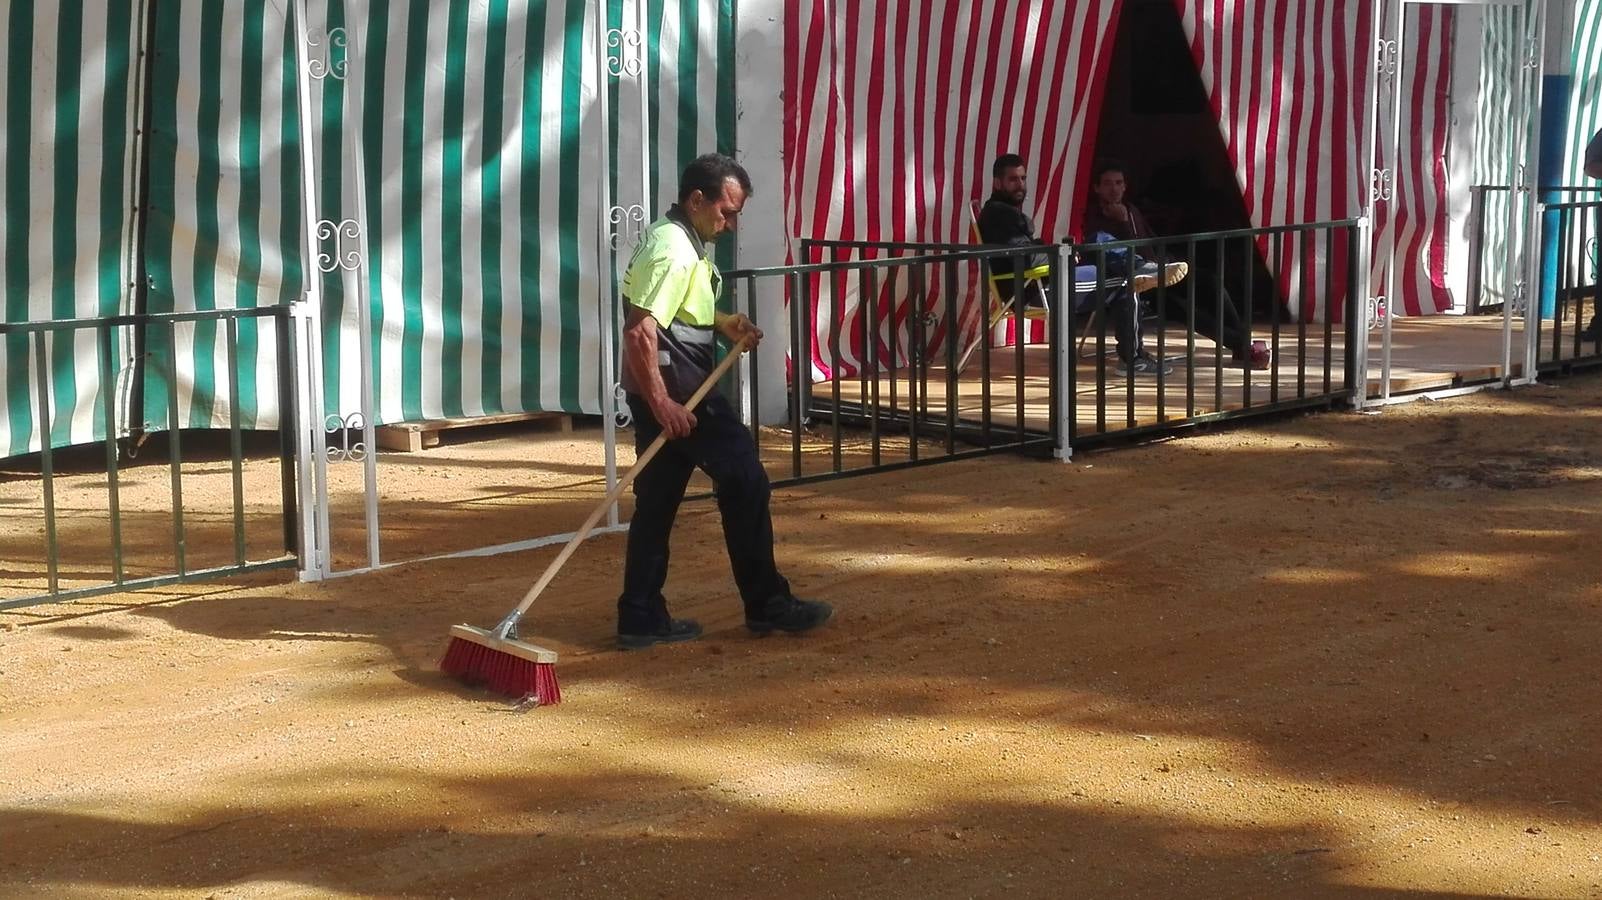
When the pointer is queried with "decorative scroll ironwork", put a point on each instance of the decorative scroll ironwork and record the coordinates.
(343, 427)
(1385, 59)
(345, 236)
(325, 51)
(622, 414)
(627, 223)
(624, 52)
(1384, 184)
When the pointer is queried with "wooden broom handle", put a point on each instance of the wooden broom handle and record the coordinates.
(623, 483)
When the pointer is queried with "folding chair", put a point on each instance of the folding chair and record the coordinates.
(999, 309)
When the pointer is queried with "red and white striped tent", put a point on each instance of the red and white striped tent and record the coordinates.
(894, 112)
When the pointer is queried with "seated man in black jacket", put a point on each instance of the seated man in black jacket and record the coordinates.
(1003, 221)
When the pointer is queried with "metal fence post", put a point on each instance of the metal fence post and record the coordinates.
(1060, 316)
(1476, 249)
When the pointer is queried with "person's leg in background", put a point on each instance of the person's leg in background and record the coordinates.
(1119, 305)
(1124, 310)
(1232, 331)
(1123, 305)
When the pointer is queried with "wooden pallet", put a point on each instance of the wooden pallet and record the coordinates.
(410, 437)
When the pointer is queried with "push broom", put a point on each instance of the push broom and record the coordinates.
(495, 657)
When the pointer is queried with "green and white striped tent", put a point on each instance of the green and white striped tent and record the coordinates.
(1585, 92)
(66, 189)
(481, 134)
(1507, 32)
(1585, 120)
(1503, 49)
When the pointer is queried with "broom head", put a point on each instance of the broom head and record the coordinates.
(506, 666)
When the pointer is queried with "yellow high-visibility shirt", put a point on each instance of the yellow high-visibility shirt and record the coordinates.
(670, 279)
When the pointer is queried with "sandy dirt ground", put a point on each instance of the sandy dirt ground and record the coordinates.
(1338, 655)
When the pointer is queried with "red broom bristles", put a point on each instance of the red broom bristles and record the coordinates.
(501, 672)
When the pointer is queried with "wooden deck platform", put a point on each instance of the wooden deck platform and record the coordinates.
(1427, 354)
(410, 437)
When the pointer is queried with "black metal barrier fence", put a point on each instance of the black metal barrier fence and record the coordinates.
(1197, 333)
(1225, 334)
(875, 358)
(1488, 242)
(90, 575)
(1573, 335)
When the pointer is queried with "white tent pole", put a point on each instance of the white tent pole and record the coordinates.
(606, 282)
(354, 111)
(1513, 275)
(312, 447)
(1536, 67)
(1393, 160)
(1378, 57)
(642, 80)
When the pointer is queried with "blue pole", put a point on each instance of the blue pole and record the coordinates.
(1549, 171)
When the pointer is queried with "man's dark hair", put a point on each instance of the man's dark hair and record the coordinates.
(1004, 162)
(1103, 166)
(707, 174)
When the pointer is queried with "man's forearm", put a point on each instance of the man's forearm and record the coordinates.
(640, 356)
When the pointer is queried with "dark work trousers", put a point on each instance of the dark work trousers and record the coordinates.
(1124, 310)
(1232, 331)
(720, 446)
(1121, 308)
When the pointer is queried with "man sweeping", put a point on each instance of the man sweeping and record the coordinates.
(669, 348)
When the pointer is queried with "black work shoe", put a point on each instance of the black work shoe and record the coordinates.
(1593, 331)
(792, 615)
(672, 633)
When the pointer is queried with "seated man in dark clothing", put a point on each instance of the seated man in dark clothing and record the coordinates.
(1003, 221)
(1110, 217)
(1593, 168)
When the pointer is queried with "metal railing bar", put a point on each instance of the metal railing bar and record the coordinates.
(836, 307)
(288, 561)
(1190, 331)
(953, 388)
(1250, 258)
(1329, 307)
(288, 436)
(174, 448)
(235, 443)
(108, 399)
(203, 315)
(800, 366)
(1276, 248)
(46, 457)
(1218, 303)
